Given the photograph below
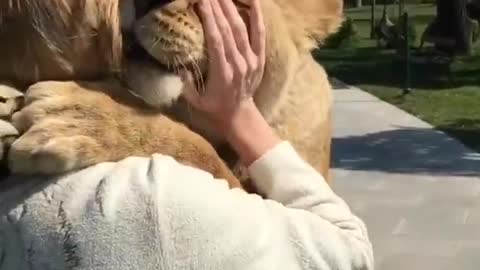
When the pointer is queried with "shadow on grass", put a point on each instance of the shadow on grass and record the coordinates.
(359, 66)
(373, 66)
(468, 130)
(420, 19)
(406, 150)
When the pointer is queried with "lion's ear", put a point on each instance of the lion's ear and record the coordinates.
(315, 20)
(323, 18)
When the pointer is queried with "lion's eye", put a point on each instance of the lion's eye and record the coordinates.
(159, 3)
(143, 6)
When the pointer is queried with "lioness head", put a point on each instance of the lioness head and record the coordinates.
(172, 33)
(73, 39)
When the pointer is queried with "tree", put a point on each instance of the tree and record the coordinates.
(473, 9)
(452, 29)
(452, 17)
(358, 3)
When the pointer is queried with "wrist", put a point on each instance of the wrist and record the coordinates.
(235, 122)
(248, 133)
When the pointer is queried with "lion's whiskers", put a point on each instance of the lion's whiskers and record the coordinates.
(168, 65)
(178, 62)
(196, 70)
(155, 43)
(181, 63)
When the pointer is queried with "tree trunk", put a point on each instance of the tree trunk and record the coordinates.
(454, 23)
(473, 9)
(358, 3)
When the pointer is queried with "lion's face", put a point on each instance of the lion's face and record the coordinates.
(171, 31)
(172, 34)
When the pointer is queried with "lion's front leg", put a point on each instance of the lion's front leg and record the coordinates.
(71, 125)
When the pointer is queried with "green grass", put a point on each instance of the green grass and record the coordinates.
(451, 106)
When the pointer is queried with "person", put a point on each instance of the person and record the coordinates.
(155, 213)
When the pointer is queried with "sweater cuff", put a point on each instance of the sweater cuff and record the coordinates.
(276, 161)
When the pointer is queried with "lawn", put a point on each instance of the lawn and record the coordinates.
(451, 106)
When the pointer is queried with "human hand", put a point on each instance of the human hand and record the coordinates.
(236, 62)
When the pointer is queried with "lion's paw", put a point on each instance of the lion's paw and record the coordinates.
(44, 149)
(55, 136)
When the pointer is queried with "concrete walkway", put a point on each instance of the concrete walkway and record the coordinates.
(417, 189)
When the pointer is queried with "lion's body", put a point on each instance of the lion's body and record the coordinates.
(70, 125)
(294, 96)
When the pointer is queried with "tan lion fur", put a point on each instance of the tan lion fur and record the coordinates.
(70, 125)
(294, 95)
(59, 39)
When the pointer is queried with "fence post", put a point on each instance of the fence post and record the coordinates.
(407, 87)
(401, 7)
(372, 19)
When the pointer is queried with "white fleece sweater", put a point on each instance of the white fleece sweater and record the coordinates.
(154, 213)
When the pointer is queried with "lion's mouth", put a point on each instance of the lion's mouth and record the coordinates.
(171, 58)
(136, 52)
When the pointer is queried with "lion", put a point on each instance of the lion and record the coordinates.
(67, 56)
(70, 125)
(295, 90)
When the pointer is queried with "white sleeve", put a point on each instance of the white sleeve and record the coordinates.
(325, 227)
(150, 213)
(302, 224)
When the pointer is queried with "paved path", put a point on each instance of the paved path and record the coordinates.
(417, 189)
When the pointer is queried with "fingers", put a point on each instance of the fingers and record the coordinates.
(258, 41)
(234, 56)
(257, 30)
(252, 49)
(239, 29)
(214, 42)
(227, 36)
